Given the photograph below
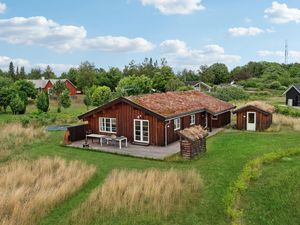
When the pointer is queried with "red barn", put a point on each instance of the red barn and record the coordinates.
(46, 85)
(155, 119)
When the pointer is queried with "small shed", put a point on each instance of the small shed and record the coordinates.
(192, 141)
(292, 95)
(254, 116)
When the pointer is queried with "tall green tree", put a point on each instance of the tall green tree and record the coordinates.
(48, 73)
(87, 98)
(22, 74)
(27, 87)
(57, 90)
(64, 99)
(86, 76)
(134, 85)
(5, 97)
(42, 102)
(35, 73)
(11, 71)
(101, 95)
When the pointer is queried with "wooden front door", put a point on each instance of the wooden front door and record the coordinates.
(251, 121)
(141, 131)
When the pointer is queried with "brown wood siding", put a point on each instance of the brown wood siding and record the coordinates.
(221, 120)
(125, 115)
(263, 121)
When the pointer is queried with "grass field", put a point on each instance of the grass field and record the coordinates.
(219, 167)
(274, 198)
(30, 188)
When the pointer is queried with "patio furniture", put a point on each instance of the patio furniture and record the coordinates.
(120, 139)
(100, 137)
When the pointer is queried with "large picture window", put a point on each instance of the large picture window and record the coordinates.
(177, 124)
(108, 124)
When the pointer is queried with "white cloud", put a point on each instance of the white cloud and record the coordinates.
(2, 7)
(41, 31)
(5, 60)
(57, 68)
(281, 13)
(293, 55)
(171, 7)
(245, 31)
(179, 54)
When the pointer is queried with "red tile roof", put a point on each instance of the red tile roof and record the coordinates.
(173, 103)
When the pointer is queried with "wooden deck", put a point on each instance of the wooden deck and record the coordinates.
(151, 152)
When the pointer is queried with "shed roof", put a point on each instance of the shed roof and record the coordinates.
(193, 133)
(175, 103)
(262, 106)
(296, 86)
(39, 83)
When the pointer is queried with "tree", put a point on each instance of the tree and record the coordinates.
(174, 85)
(110, 78)
(86, 76)
(64, 99)
(11, 71)
(27, 87)
(87, 99)
(42, 101)
(48, 73)
(71, 75)
(101, 95)
(57, 90)
(22, 74)
(134, 85)
(17, 105)
(5, 97)
(35, 73)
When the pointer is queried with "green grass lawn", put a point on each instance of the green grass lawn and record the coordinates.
(219, 167)
(274, 198)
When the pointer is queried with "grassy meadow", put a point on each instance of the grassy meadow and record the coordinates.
(88, 187)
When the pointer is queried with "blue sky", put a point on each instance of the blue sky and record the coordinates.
(188, 33)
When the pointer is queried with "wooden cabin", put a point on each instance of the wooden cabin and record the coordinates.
(254, 116)
(155, 119)
(46, 85)
(292, 95)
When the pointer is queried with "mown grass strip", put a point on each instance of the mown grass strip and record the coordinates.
(250, 171)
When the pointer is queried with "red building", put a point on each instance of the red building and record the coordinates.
(46, 85)
(155, 119)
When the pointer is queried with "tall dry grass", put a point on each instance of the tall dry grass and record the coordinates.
(13, 137)
(287, 121)
(132, 192)
(28, 189)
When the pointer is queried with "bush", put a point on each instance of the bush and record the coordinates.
(274, 85)
(230, 93)
(101, 95)
(17, 105)
(64, 99)
(288, 111)
(42, 102)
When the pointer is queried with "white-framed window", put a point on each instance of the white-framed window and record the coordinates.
(192, 119)
(177, 124)
(108, 125)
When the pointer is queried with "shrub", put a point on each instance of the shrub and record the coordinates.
(42, 102)
(17, 105)
(185, 88)
(87, 98)
(64, 99)
(250, 171)
(101, 95)
(230, 94)
(274, 85)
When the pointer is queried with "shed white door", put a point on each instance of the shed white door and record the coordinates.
(251, 121)
(141, 131)
(290, 102)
